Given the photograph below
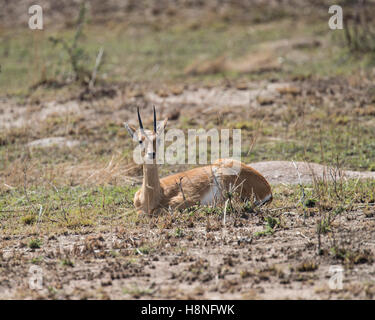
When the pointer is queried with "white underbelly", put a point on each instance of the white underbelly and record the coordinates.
(211, 196)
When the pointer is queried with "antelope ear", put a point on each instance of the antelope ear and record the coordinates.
(161, 126)
(130, 129)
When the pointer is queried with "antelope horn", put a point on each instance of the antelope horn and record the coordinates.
(141, 125)
(154, 120)
(139, 119)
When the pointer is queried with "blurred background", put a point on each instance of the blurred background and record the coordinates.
(296, 88)
(185, 40)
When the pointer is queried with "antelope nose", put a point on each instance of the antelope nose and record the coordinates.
(151, 155)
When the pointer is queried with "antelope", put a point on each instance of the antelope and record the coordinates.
(202, 185)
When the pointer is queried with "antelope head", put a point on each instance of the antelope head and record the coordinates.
(147, 139)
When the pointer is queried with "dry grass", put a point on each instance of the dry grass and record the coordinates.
(69, 209)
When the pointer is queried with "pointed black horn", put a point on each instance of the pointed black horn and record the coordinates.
(154, 120)
(139, 119)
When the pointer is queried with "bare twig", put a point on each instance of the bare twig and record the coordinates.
(97, 65)
(182, 190)
(25, 189)
(225, 211)
(302, 199)
(40, 213)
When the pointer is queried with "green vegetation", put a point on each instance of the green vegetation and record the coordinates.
(137, 292)
(350, 257)
(146, 53)
(179, 233)
(271, 224)
(35, 244)
(77, 55)
(88, 207)
(37, 260)
(71, 208)
(67, 262)
(329, 140)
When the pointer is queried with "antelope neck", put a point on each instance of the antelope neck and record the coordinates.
(151, 185)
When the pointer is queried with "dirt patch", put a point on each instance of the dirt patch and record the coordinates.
(14, 115)
(53, 141)
(269, 56)
(218, 97)
(284, 172)
(215, 262)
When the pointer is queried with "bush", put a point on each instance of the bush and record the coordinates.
(77, 55)
(359, 26)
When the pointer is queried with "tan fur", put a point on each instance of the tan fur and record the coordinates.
(207, 184)
(185, 189)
